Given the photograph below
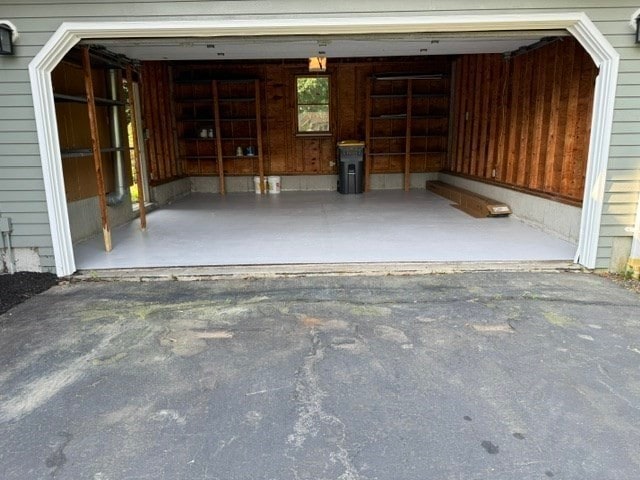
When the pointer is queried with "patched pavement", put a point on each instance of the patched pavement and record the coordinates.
(460, 376)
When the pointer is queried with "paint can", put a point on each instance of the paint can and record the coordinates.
(256, 185)
(274, 184)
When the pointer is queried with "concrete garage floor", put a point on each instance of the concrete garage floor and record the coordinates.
(461, 376)
(318, 227)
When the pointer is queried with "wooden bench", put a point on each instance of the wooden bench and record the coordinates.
(475, 205)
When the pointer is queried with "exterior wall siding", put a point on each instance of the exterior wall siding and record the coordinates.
(21, 185)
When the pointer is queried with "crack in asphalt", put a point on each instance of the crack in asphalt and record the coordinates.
(312, 417)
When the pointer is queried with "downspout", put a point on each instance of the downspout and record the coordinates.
(5, 236)
(117, 196)
(633, 266)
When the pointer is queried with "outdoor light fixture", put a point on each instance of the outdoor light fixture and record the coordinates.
(638, 29)
(317, 64)
(8, 35)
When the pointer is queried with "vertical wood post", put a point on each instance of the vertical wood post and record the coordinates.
(407, 143)
(95, 147)
(147, 111)
(136, 150)
(174, 129)
(216, 116)
(164, 111)
(259, 135)
(454, 97)
(367, 137)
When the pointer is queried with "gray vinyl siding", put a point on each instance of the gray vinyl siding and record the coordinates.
(20, 173)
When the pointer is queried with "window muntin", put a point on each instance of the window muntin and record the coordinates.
(313, 104)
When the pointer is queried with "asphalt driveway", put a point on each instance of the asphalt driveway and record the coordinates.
(460, 376)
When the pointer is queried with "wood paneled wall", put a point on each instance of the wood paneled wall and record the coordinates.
(158, 122)
(285, 153)
(74, 132)
(524, 121)
(308, 155)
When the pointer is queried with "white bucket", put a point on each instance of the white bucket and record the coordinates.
(256, 185)
(274, 184)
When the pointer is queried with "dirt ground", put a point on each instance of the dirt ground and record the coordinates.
(17, 288)
(626, 282)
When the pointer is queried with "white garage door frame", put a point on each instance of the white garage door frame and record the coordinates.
(69, 34)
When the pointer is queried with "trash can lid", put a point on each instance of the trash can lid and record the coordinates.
(351, 143)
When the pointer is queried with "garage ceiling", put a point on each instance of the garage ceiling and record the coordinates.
(262, 48)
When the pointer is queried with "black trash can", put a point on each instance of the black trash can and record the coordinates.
(351, 166)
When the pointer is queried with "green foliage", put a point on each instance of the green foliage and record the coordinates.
(313, 90)
(133, 189)
(313, 104)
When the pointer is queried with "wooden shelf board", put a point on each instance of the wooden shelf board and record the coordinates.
(236, 99)
(429, 117)
(430, 95)
(76, 152)
(238, 119)
(193, 100)
(61, 97)
(192, 120)
(85, 152)
(398, 116)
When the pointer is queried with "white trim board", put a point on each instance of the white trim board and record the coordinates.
(70, 33)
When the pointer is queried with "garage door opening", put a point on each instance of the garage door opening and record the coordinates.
(372, 98)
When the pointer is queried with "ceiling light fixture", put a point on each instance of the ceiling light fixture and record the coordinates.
(318, 64)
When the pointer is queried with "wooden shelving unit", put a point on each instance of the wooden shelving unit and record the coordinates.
(85, 118)
(219, 126)
(406, 123)
(61, 98)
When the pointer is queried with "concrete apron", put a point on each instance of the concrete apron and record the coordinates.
(324, 269)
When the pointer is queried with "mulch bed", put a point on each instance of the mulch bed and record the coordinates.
(624, 281)
(17, 288)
